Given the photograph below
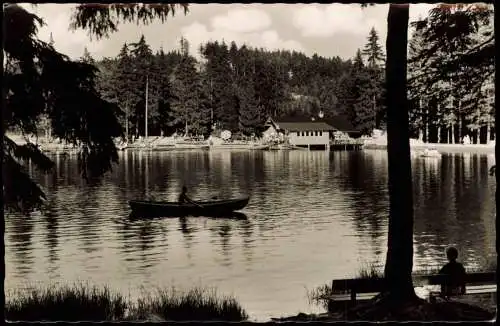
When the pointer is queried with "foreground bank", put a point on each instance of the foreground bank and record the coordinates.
(90, 303)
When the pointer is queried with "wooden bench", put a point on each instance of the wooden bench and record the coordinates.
(348, 291)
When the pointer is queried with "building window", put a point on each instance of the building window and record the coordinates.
(315, 133)
(321, 133)
(307, 133)
(302, 133)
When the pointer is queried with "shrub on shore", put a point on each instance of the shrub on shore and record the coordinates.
(82, 302)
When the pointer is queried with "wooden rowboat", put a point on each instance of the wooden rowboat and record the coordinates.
(204, 208)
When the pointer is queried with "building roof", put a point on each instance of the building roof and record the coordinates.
(338, 122)
(305, 126)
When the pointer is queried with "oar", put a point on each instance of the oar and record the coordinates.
(199, 206)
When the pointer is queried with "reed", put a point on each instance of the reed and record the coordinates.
(320, 295)
(195, 304)
(82, 302)
(79, 302)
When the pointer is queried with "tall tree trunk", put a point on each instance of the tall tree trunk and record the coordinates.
(497, 158)
(459, 128)
(399, 262)
(488, 131)
(438, 131)
(426, 125)
(453, 137)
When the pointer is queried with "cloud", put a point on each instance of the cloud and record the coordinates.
(326, 20)
(420, 10)
(257, 25)
(57, 20)
(242, 20)
(197, 33)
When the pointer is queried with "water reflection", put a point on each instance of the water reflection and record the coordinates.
(52, 237)
(363, 179)
(313, 216)
(19, 243)
(452, 208)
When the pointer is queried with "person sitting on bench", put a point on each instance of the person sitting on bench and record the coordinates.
(454, 282)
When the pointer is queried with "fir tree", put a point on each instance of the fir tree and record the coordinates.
(373, 51)
(185, 101)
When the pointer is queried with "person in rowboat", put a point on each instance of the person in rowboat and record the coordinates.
(183, 198)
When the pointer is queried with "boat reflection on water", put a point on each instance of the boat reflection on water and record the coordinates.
(230, 215)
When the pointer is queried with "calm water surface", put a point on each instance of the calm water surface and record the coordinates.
(313, 216)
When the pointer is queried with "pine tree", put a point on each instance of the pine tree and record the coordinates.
(358, 63)
(125, 83)
(249, 112)
(87, 57)
(200, 115)
(359, 102)
(373, 51)
(222, 92)
(164, 93)
(144, 77)
(185, 98)
(375, 59)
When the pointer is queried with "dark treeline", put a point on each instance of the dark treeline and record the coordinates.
(237, 87)
(451, 75)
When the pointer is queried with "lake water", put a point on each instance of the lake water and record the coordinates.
(313, 217)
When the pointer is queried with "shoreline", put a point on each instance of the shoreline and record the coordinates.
(444, 148)
(55, 147)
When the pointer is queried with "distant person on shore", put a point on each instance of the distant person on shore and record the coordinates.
(454, 283)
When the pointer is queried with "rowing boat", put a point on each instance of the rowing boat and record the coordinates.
(203, 208)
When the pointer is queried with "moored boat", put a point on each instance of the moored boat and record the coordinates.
(250, 146)
(286, 147)
(145, 208)
(160, 148)
(191, 144)
(430, 153)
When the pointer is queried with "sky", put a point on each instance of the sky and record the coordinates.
(326, 29)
